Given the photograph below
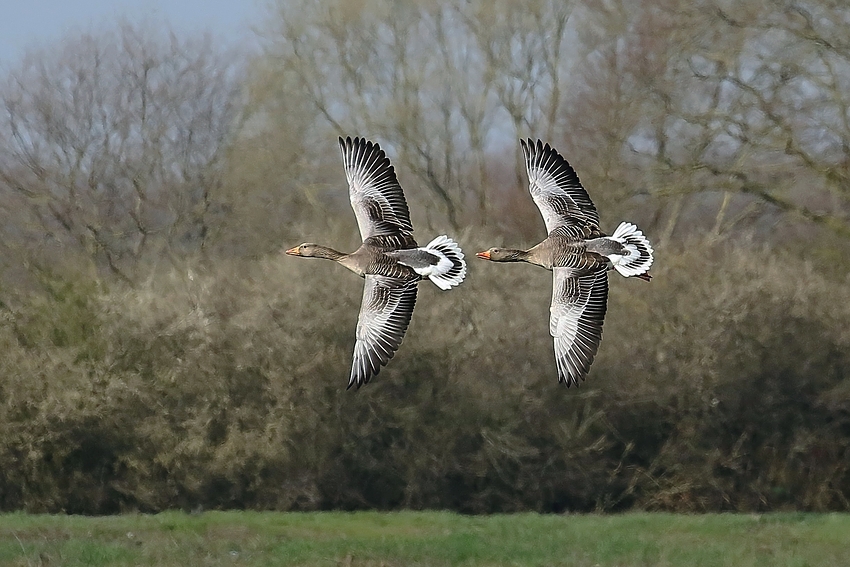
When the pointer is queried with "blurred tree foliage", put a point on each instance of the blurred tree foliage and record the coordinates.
(159, 352)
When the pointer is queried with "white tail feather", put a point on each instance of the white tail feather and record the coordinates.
(639, 257)
(451, 269)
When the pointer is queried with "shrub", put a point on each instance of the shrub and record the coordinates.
(722, 385)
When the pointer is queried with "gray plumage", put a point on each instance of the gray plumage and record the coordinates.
(389, 259)
(579, 255)
(414, 258)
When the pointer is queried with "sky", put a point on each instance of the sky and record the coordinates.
(37, 23)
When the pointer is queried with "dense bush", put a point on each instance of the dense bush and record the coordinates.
(722, 385)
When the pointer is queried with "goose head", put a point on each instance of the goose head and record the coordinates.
(307, 250)
(503, 255)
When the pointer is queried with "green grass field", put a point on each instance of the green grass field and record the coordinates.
(425, 538)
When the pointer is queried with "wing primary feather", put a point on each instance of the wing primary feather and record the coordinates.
(385, 313)
(375, 193)
(577, 315)
(556, 189)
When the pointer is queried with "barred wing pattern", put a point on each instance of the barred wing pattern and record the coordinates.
(577, 312)
(556, 188)
(384, 316)
(376, 196)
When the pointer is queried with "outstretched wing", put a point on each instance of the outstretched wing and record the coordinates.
(575, 320)
(556, 189)
(384, 316)
(376, 196)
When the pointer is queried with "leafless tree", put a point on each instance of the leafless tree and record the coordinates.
(113, 143)
(433, 81)
(749, 101)
(741, 108)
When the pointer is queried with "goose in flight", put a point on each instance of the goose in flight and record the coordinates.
(389, 259)
(579, 255)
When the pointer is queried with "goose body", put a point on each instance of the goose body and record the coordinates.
(389, 259)
(579, 255)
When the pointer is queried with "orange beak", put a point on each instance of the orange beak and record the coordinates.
(484, 255)
(294, 251)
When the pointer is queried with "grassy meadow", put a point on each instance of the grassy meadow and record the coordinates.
(425, 538)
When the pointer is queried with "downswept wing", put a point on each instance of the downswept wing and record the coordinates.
(384, 316)
(556, 188)
(576, 315)
(376, 196)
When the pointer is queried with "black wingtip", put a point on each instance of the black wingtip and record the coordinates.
(359, 381)
(527, 146)
(531, 147)
(570, 381)
(355, 382)
(359, 142)
(344, 144)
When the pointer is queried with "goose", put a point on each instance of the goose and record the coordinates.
(579, 256)
(390, 260)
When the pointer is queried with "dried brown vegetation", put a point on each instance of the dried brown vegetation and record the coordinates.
(717, 387)
(160, 352)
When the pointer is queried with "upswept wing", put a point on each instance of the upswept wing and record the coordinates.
(384, 316)
(556, 189)
(579, 303)
(376, 196)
